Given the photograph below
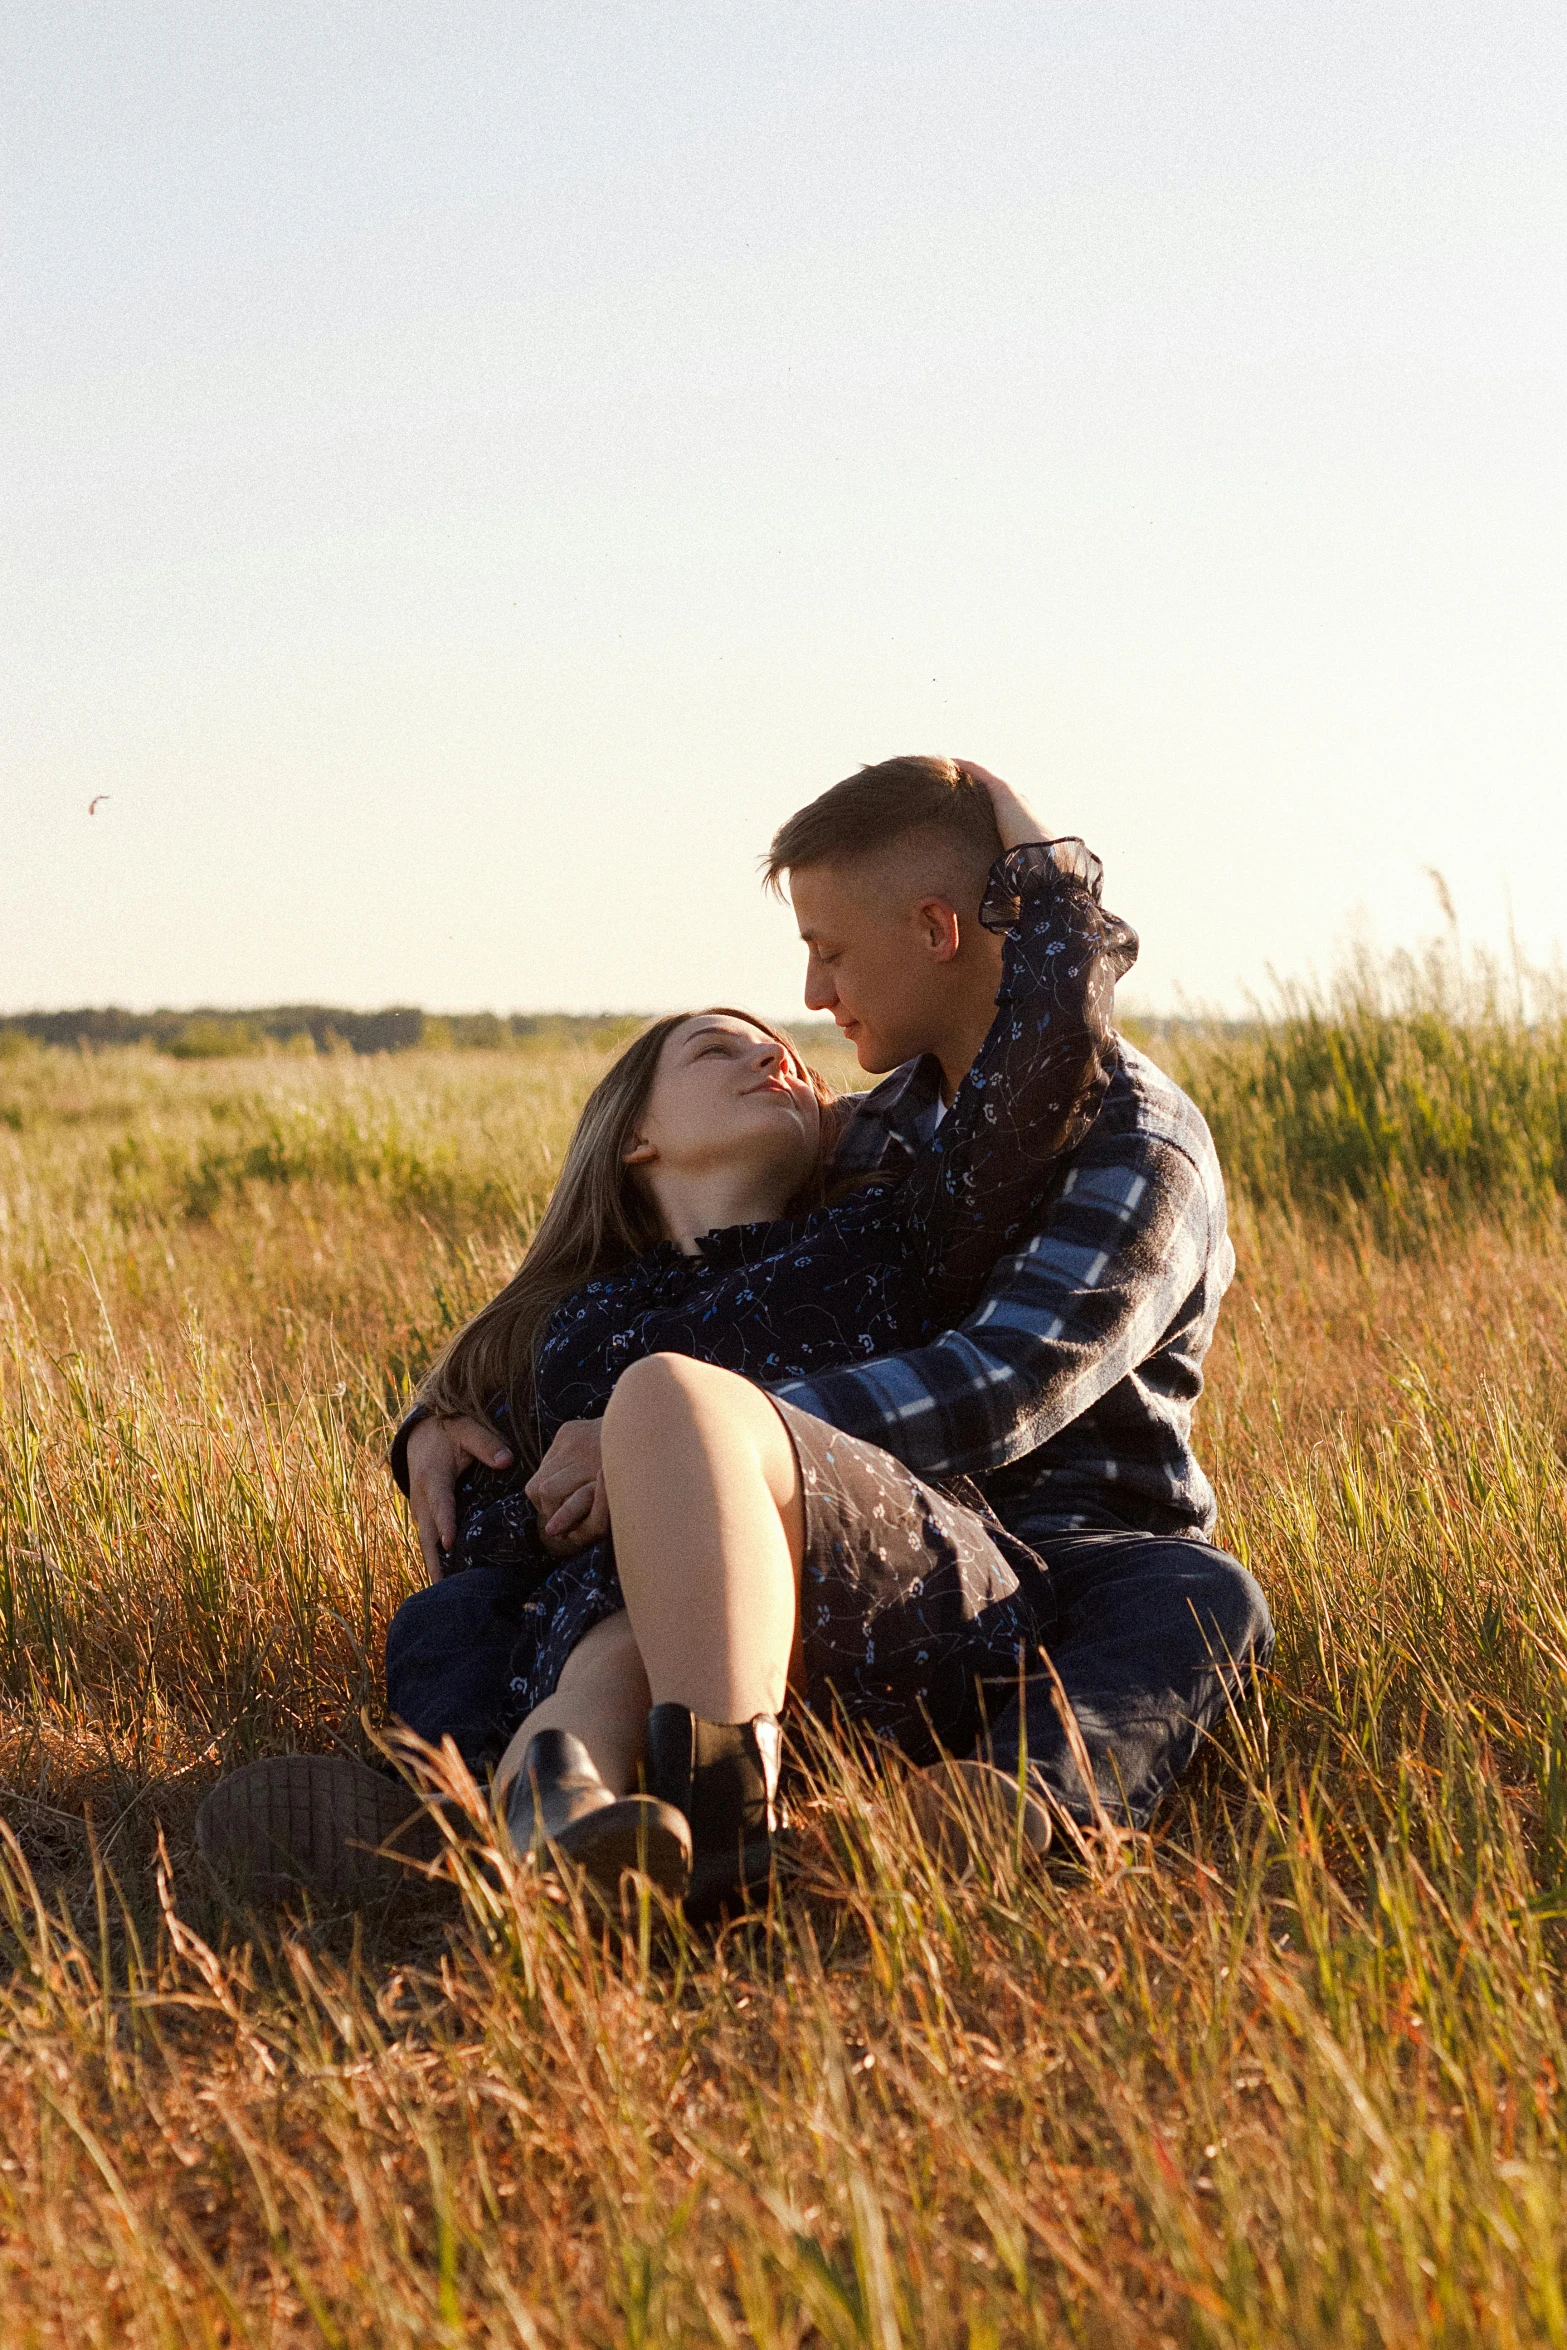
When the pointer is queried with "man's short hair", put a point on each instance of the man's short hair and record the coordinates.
(886, 805)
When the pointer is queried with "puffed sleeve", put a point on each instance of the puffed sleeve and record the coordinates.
(975, 1190)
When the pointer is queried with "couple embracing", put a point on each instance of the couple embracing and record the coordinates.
(866, 1405)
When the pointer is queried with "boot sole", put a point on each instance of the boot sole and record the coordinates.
(312, 1823)
(638, 1834)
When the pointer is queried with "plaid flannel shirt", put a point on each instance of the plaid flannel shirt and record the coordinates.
(1069, 1390)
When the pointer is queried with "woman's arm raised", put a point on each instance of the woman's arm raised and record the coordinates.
(1015, 819)
(977, 1187)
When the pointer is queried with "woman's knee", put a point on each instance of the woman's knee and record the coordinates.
(666, 1391)
(669, 1408)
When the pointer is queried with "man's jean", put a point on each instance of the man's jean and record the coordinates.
(448, 1662)
(1152, 1639)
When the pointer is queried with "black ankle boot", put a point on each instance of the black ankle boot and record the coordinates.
(724, 1777)
(558, 1804)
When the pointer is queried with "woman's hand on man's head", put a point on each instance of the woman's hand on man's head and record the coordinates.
(438, 1452)
(1015, 819)
(567, 1489)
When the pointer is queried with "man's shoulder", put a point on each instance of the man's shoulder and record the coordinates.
(1143, 1109)
(1142, 1100)
(1148, 1159)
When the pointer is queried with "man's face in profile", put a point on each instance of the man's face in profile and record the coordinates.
(876, 959)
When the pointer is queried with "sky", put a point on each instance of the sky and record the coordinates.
(470, 471)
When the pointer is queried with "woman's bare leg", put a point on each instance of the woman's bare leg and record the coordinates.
(709, 1528)
(602, 1697)
(704, 1496)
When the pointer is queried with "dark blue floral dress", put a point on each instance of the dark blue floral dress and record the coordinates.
(872, 1274)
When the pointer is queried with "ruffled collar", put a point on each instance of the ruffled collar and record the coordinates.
(666, 1265)
(745, 1244)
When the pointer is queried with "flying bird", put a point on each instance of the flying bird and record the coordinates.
(94, 805)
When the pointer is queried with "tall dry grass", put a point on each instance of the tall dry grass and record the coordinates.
(1293, 2074)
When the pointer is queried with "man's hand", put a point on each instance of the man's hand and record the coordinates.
(567, 1489)
(1015, 819)
(438, 1453)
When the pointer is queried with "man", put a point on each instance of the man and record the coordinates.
(1069, 1390)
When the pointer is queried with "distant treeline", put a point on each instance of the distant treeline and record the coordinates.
(324, 1028)
(212, 1035)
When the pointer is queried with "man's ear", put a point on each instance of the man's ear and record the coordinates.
(939, 930)
(638, 1152)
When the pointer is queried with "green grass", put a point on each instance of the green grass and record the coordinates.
(1413, 1093)
(1292, 2074)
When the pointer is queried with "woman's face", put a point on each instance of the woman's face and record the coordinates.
(727, 1097)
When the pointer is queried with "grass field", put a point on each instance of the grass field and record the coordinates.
(1294, 2074)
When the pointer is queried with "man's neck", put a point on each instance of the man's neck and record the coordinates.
(967, 1006)
(958, 1050)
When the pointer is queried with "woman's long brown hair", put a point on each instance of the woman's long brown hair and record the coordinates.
(599, 1218)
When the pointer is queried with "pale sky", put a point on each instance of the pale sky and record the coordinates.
(471, 470)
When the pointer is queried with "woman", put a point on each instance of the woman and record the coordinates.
(686, 1263)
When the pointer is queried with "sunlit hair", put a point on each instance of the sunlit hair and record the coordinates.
(601, 1215)
(932, 809)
